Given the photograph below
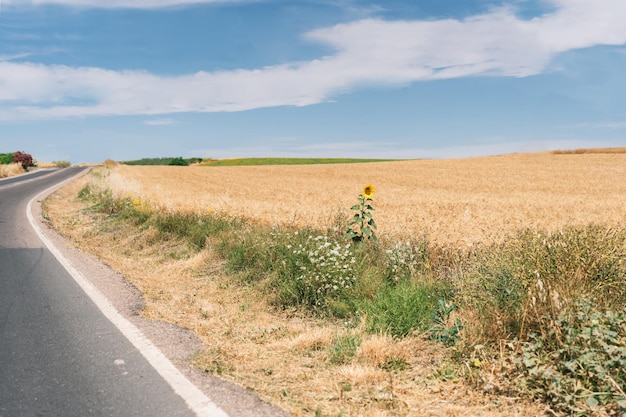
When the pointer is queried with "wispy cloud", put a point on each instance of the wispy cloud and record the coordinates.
(371, 51)
(14, 56)
(161, 122)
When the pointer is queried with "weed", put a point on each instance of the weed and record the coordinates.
(395, 364)
(104, 201)
(195, 228)
(405, 259)
(325, 268)
(443, 329)
(212, 361)
(343, 349)
(248, 254)
(44, 210)
(85, 193)
(524, 284)
(579, 365)
(447, 371)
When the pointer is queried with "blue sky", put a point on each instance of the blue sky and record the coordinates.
(87, 80)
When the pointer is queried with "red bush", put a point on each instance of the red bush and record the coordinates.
(23, 158)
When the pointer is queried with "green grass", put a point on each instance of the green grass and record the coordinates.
(163, 161)
(343, 349)
(286, 161)
(400, 309)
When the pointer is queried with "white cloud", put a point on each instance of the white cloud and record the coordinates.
(369, 51)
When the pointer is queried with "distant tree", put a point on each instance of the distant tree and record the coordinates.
(195, 160)
(179, 161)
(6, 158)
(23, 158)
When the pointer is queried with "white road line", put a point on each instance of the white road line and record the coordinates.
(197, 401)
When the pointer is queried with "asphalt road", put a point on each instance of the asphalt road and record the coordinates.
(59, 354)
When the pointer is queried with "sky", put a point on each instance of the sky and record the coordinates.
(89, 80)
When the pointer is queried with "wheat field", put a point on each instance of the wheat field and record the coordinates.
(452, 202)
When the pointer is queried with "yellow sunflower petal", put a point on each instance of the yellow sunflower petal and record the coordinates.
(368, 191)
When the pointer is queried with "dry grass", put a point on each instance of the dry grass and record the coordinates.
(46, 164)
(457, 202)
(10, 170)
(283, 357)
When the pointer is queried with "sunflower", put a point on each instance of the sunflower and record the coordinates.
(368, 191)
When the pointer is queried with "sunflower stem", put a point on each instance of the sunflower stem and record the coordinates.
(362, 227)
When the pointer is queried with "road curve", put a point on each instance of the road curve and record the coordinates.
(59, 354)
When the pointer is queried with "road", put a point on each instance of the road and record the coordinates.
(60, 354)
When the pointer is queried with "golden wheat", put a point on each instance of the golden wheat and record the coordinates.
(458, 202)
